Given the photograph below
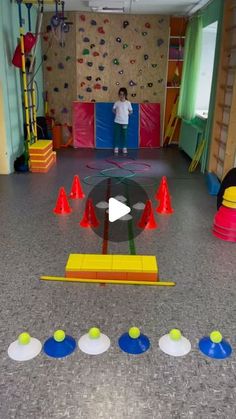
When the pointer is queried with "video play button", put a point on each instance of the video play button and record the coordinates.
(117, 210)
(115, 203)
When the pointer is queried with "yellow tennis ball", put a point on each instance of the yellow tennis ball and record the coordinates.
(134, 332)
(24, 338)
(94, 333)
(59, 335)
(175, 334)
(216, 336)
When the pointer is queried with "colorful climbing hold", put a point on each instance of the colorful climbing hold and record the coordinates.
(89, 89)
(125, 46)
(150, 84)
(118, 39)
(105, 88)
(82, 17)
(86, 39)
(117, 83)
(56, 89)
(102, 41)
(133, 94)
(49, 68)
(45, 57)
(147, 25)
(105, 55)
(93, 22)
(97, 86)
(106, 21)
(101, 67)
(138, 46)
(96, 54)
(60, 66)
(80, 97)
(132, 61)
(89, 63)
(68, 58)
(82, 84)
(81, 29)
(64, 110)
(66, 85)
(116, 61)
(101, 30)
(80, 60)
(160, 42)
(154, 65)
(89, 78)
(121, 72)
(125, 24)
(85, 51)
(98, 79)
(145, 57)
(132, 83)
(92, 46)
(144, 33)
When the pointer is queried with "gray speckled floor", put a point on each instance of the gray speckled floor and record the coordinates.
(115, 385)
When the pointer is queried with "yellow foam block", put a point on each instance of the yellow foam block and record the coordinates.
(40, 146)
(111, 263)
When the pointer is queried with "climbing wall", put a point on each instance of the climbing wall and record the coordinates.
(107, 52)
(59, 69)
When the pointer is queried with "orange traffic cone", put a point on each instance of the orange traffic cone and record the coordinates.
(163, 185)
(147, 220)
(62, 205)
(89, 218)
(165, 203)
(76, 189)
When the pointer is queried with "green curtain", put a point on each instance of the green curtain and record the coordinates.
(191, 67)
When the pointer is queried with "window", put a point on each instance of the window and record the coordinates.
(206, 69)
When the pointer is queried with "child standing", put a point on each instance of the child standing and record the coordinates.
(122, 109)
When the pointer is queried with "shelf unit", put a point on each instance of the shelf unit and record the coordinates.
(175, 65)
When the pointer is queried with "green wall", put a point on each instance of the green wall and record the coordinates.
(10, 78)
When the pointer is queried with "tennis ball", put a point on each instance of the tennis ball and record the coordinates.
(59, 335)
(216, 336)
(24, 338)
(175, 334)
(134, 332)
(94, 333)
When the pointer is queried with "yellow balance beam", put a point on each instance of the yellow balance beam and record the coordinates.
(107, 281)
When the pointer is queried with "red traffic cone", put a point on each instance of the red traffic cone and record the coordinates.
(163, 185)
(165, 203)
(76, 189)
(147, 220)
(89, 218)
(62, 205)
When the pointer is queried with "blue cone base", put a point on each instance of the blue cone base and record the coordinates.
(215, 350)
(59, 349)
(134, 346)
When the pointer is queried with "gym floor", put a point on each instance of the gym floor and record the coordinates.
(115, 385)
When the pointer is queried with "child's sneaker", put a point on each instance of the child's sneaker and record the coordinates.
(124, 150)
(116, 150)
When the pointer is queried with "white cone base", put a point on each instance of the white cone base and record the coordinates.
(139, 206)
(174, 348)
(126, 217)
(121, 198)
(19, 352)
(94, 346)
(102, 205)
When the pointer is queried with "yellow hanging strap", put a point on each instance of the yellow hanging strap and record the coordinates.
(197, 156)
(172, 123)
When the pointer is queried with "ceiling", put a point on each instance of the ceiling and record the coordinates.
(168, 7)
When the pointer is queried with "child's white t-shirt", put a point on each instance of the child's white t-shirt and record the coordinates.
(122, 111)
